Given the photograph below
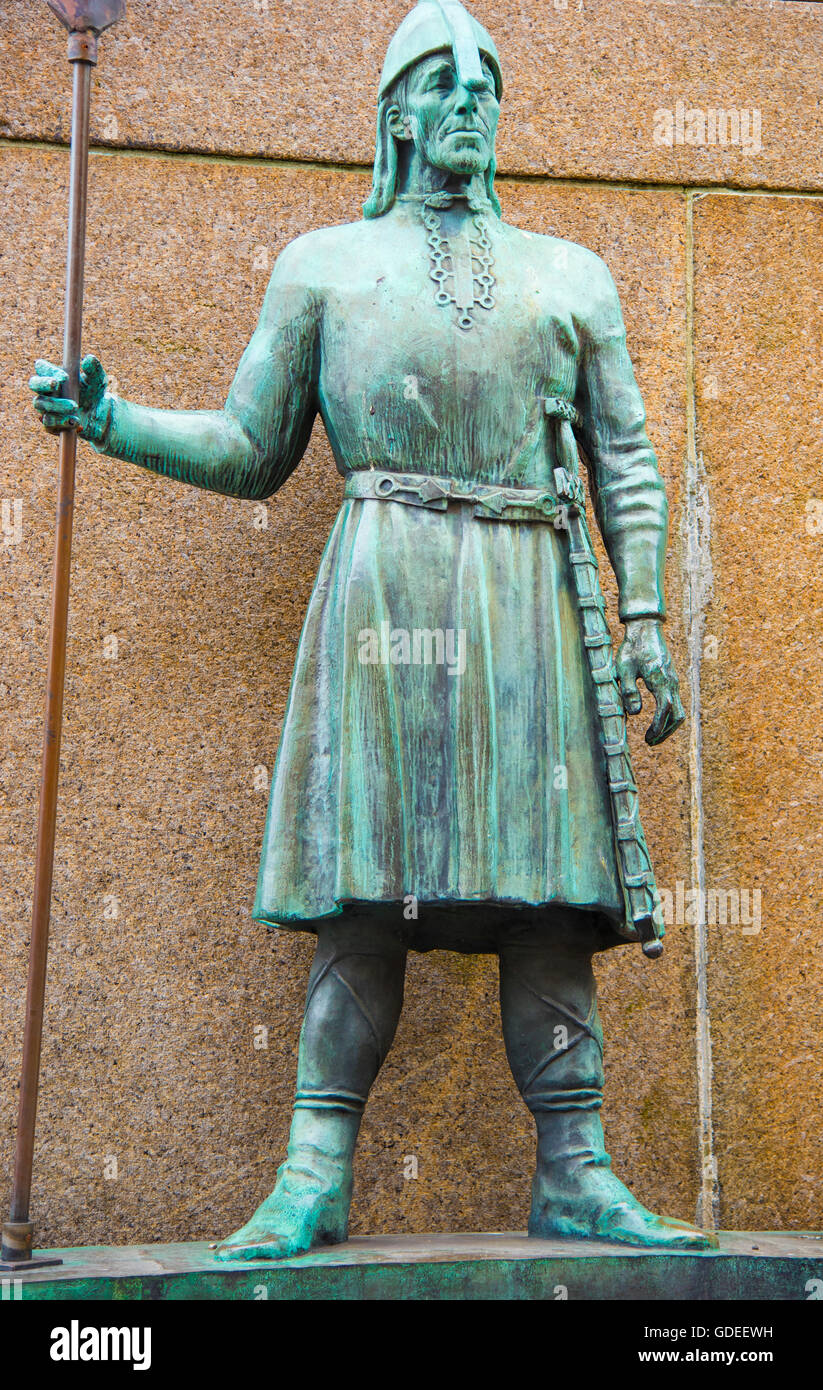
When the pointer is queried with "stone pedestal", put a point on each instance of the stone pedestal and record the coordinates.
(773, 1265)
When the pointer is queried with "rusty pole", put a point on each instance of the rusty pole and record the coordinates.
(85, 21)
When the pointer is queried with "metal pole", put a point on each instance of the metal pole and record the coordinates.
(17, 1235)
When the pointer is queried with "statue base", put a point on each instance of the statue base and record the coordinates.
(773, 1265)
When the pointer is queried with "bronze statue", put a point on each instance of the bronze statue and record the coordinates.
(453, 770)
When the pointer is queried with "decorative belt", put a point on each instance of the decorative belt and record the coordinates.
(488, 500)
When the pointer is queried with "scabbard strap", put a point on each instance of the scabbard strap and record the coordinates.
(489, 501)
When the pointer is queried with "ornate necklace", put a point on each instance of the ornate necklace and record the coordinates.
(460, 265)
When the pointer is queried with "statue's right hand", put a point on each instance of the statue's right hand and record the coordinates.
(58, 411)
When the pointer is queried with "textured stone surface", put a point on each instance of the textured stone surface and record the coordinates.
(150, 1051)
(297, 78)
(759, 288)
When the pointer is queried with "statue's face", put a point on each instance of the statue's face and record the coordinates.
(453, 128)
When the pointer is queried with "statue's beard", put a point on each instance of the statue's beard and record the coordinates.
(464, 159)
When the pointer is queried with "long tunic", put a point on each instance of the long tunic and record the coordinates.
(440, 743)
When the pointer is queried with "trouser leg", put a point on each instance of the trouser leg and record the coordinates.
(551, 1027)
(554, 1043)
(353, 1003)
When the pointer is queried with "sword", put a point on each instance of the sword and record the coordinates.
(634, 865)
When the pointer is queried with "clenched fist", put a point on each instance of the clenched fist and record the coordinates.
(58, 412)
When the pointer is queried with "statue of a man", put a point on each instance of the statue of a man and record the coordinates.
(452, 771)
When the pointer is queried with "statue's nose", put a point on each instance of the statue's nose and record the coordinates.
(465, 99)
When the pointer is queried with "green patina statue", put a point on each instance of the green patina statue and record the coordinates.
(453, 770)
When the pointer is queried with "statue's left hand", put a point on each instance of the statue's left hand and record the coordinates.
(643, 653)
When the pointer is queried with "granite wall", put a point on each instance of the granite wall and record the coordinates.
(219, 135)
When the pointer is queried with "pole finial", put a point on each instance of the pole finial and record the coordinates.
(79, 16)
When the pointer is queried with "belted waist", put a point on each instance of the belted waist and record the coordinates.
(489, 500)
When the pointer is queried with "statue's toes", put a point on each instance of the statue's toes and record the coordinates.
(258, 1240)
(634, 1226)
(696, 1238)
(249, 1246)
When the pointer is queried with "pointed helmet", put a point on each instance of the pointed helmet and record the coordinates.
(431, 27)
(434, 25)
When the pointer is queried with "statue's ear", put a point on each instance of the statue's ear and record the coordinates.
(399, 125)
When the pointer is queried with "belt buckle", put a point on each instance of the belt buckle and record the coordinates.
(540, 506)
(546, 503)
